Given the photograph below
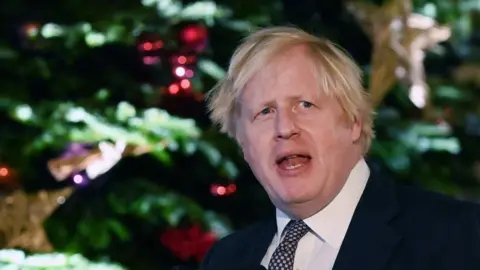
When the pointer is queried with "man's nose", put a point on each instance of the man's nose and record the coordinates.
(285, 125)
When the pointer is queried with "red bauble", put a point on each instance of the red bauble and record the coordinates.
(194, 37)
(188, 242)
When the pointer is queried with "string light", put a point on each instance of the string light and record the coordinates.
(180, 71)
(147, 46)
(7, 176)
(221, 190)
(185, 84)
(31, 30)
(193, 38)
(151, 46)
(78, 179)
(151, 60)
(182, 60)
(189, 73)
(4, 172)
(231, 188)
(173, 89)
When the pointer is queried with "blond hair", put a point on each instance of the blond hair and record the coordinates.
(337, 73)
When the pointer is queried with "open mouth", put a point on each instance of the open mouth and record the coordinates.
(291, 162)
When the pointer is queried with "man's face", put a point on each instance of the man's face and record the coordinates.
(296, 140)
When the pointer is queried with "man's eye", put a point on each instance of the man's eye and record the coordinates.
(265, 111)
(306, 104)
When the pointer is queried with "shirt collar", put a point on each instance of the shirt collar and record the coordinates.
(331, 223)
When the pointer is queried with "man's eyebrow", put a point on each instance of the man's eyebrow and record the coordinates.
(269, 103)
(295, 98)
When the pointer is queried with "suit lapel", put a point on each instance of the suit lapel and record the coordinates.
(262, 239)
(370, 240)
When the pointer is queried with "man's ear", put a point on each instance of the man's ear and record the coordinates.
(356, 128)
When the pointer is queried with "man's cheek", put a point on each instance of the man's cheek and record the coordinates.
(310, 122)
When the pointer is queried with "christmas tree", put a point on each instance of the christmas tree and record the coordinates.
(107, 151)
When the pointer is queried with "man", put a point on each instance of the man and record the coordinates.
(296, 106)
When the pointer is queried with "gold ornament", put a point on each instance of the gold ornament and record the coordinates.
(399, 39)
(22, 216)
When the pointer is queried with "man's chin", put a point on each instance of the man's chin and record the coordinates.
(298, 207)
(296, 200)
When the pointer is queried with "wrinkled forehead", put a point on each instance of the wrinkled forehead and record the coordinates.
(272, 60)
(284, 76)
(289, 75)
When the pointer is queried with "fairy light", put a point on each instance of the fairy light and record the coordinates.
(185, 84)
(180, 71)
(221, 190)
(4, 172)
(182, 60)
(173, 89)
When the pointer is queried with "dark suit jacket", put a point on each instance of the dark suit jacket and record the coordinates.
(393, 227)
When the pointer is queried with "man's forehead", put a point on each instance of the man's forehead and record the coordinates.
(280, 78)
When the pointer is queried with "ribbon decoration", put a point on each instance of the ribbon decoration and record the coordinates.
(97, 161)
(400, 39)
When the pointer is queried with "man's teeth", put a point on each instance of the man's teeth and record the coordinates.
(293, 166)
(290, 157)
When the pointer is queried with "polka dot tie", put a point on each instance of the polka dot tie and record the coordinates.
(284, 256)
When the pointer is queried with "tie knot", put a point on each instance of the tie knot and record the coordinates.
(295, 230)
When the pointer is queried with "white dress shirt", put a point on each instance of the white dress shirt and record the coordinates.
(319, 248)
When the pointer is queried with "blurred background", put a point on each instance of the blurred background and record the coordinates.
(107, 156)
